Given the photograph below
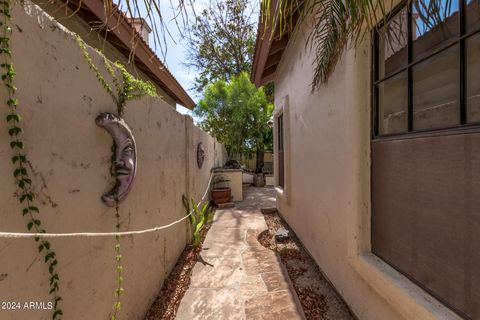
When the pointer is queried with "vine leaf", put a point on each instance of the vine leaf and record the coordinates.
(57, 313)
(14, 116)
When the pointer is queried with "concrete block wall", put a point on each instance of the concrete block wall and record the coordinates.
(69, 159)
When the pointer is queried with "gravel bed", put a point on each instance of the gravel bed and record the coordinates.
(317, 296)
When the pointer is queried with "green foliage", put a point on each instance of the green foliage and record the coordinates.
(118, 270)
(336, 24)
(21, 174)
(126, 89)
(132, 88)
(129, 88)
(198, 219)
(221, 41)
(237, 114)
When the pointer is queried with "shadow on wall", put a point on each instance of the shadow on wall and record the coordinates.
(70, 160)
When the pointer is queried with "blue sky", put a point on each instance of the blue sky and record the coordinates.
(173, 50)
(176, 49)
(448, 8)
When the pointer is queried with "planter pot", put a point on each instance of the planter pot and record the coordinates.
(221, 195)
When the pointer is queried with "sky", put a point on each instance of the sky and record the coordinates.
(448, 8)
(173, 52)
(176, 50)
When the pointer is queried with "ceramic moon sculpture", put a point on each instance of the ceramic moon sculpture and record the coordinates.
(125, 156)
(200, 155)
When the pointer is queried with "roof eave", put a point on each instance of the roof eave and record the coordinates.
(270, 46)
(145, 58)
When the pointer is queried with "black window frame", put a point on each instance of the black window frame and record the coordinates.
(459, 40)
(281, 150)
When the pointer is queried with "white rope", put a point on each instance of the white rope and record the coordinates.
(102, 234)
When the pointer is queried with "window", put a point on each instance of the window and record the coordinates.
(426, 77)
(427, 67)
(281, 154)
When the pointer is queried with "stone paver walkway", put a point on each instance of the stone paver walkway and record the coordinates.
(236, 277)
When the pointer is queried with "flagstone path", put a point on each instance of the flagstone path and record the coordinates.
(236, 277)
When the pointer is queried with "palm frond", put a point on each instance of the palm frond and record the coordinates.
(340, 23)
(336, 23)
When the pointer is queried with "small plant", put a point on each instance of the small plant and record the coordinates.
(126, 89)
(118, 269)
(198, 218)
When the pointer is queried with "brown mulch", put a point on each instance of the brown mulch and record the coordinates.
(166, 305)
(266, 240)
(317, 296)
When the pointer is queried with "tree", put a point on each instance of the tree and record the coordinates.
(237, 114)
(221, 41)
(335, 25)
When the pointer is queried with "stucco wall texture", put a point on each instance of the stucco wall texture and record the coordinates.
(326, 199)
(69, 159)
(92, 38)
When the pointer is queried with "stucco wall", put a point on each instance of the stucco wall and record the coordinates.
(71, 21)
(70, 158)
(215, 156)
(232, 178)
(326, 199)
(251, 162)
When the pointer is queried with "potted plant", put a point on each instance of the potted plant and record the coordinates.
(221, 192)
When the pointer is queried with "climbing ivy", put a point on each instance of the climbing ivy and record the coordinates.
(129, 88)
(25, 195)
(119, 269)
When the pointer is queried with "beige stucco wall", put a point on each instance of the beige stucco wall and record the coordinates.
(269, 180)
(235, 183)
(234, 180)
(251, 162)
(70, 157)
(72, 22)
(326, 199)
(215, 156)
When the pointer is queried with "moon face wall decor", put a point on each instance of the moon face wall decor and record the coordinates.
(200, 155)
(125, 156)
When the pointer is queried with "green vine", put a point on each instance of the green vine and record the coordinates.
(119, 268)
(24, 193)
(129, 88)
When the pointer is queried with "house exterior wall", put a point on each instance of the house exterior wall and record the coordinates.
(326, 199)
(69, 156)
